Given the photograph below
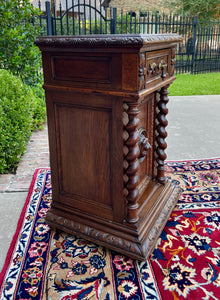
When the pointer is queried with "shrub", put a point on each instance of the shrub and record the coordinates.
(18, 54)
(126, 23)
(39, 114)
(17, 106)
(17, 34)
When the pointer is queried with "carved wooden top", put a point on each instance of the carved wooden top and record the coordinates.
(104, 41)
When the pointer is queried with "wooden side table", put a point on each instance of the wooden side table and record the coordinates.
(106, 99)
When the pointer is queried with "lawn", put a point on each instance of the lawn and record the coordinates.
(199, 84)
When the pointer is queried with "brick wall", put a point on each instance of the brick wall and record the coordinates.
(137, 5)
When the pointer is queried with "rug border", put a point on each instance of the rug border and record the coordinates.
(19, 225)
(190, 159)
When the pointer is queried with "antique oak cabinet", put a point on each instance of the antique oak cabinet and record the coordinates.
(106, 99)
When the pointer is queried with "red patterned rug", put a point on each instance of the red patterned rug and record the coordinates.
(50, 264)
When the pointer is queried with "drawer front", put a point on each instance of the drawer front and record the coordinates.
(154, 67)
(157, 66)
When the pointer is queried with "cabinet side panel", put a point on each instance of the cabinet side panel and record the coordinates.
(77, 68)
(84, 152)
(129, 72)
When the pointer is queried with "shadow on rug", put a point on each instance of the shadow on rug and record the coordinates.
(50, 264)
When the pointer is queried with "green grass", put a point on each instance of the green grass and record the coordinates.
(199, 84)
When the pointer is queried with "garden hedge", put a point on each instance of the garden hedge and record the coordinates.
(21, 111)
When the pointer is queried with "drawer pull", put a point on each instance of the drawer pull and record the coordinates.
(155, 69)
(153, 66)
(144, 145)
(162, 66)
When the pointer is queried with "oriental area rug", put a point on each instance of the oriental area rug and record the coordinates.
(45, 263)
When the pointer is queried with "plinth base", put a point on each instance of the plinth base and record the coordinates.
(134, 240)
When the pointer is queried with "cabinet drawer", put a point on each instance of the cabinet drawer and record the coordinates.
(157, 67)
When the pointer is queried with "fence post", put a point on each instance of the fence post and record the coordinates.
(156, 21)
(49, 19)
(195, 22)
(114, 21)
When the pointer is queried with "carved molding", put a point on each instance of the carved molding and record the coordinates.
(122, 40)
(137, 249)
(157, 67)
(158, 226)
(94, 234)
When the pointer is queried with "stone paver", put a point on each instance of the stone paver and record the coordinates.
(11, 205)
(5, 180)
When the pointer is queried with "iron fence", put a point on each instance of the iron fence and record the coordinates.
(199, 52)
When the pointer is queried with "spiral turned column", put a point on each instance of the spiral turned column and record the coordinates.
(132, 162)
(162, 134)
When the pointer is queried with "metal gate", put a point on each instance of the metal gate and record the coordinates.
(78, 17)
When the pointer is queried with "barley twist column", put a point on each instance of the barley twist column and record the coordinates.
(162, 134)
(132, 162)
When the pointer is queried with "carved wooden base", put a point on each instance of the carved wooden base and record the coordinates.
(134, 240)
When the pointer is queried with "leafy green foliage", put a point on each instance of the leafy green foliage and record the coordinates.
(202, 8)
(39, 113)
(72, 26)
(22, 102)
(17, 34)
(16, 113)
(126, 23)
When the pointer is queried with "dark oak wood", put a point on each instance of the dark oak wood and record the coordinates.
(106, 102)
